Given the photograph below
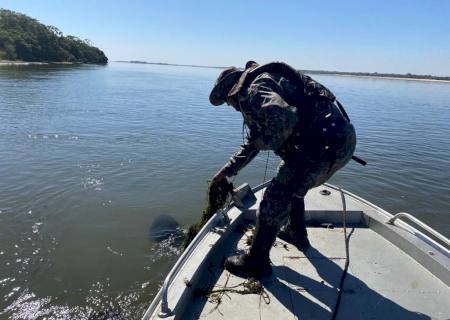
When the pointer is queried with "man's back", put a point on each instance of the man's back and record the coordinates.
(295, 116)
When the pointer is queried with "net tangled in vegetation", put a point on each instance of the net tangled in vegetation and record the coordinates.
(217, 198)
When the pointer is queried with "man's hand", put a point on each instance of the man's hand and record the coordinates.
(218, 177)
(219, 188)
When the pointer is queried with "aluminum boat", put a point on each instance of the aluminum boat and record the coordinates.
(363, 263)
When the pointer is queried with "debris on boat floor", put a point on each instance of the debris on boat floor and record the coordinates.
(249, 286)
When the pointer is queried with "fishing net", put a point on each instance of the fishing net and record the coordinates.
(217, 198)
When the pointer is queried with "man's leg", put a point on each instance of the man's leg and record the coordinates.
(273, 213)
(294, 231)
(297, 215)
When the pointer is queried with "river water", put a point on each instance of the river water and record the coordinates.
(90, 156)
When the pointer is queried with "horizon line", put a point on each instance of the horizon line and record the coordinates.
(375, 74)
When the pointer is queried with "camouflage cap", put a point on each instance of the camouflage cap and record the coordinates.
(226, 80)
(251, 64)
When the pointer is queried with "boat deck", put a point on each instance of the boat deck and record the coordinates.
(383, 282)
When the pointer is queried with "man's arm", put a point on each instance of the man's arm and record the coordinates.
(238, 161)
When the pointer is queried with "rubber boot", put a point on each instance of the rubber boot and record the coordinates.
(294, 231)
(256, 262)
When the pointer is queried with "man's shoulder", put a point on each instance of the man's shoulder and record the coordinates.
(315, 88)
(266, 77)
(277, 83)
(280, 78)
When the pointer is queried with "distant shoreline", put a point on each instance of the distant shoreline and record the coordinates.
(320, 72)
(380, 77)
(317, 72)
(171, 64)
(30, 63)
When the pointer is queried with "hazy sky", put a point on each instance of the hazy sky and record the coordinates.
(347, 35)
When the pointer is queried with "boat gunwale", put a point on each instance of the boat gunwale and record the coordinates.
(435, 244)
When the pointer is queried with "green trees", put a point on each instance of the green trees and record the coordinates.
(24, 38)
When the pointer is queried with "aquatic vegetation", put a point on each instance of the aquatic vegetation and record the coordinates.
(217, 198)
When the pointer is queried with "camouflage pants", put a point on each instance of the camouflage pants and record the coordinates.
(309, 166)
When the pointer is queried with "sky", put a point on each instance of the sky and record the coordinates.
(398, 36)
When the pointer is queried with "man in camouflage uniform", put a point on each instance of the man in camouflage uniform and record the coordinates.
(302, 122)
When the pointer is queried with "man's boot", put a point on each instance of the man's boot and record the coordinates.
(294, 231)
(256, 262)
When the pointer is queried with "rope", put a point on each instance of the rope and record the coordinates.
(245, 134)
(267, 163)
(347, 257)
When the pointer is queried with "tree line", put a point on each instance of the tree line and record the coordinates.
(26, 39)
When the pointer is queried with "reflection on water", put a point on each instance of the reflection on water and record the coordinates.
(90, 156)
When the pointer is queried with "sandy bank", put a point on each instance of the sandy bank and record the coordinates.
(385, 78)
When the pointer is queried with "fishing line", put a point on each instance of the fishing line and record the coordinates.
(267, 163)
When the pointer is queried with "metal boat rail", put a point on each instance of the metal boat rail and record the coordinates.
(165, 310)
(424, 226)
(437, 245)
(162, 294)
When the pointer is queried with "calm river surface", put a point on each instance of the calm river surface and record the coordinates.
(89, 156)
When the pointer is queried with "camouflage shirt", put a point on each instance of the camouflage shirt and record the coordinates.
(271, 106)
